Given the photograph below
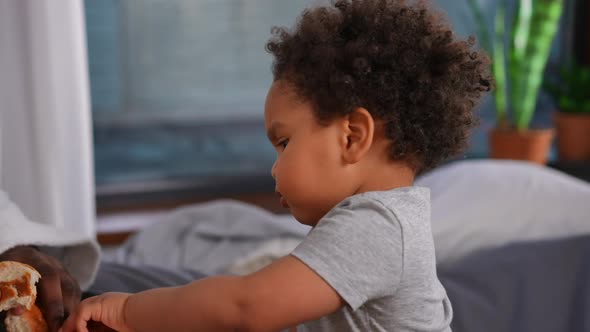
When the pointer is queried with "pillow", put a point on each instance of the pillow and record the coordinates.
(481, 204)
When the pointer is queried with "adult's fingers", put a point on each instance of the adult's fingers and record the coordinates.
(50, 297)
(71, 293)
(18, 310)
(70, 289)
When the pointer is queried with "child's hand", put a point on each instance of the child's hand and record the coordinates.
(108, 309)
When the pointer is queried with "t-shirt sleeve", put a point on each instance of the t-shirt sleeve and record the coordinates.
(357, 248)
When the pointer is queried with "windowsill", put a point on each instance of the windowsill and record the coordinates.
(158, 194)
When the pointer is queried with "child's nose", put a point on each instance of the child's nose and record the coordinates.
(273, 170)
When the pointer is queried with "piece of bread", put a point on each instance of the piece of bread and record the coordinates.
(17, 288)
(17, 285)
(30, 321)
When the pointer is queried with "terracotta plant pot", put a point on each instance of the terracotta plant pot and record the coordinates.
(532, 145)
(573, 136)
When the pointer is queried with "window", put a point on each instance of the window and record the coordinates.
(178, 88)
(178, 91)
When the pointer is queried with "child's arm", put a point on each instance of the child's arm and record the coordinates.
(281, 295)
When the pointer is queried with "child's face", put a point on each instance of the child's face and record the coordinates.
(309, 171)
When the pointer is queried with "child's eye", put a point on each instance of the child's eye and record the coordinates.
(283, 143)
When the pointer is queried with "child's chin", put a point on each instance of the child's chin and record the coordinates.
(306, 220)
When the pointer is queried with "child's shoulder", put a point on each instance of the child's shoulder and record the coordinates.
(392, 197)
(406, 204)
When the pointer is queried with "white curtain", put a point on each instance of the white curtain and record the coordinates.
(45, 120)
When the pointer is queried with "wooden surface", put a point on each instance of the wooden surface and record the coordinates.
(113, 239)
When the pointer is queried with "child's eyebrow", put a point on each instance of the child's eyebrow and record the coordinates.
(271, 132)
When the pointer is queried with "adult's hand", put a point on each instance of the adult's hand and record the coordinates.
(58, 292)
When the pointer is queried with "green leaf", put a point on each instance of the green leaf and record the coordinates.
(499, 68)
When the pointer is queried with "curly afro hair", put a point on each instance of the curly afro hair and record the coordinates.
(399, 60)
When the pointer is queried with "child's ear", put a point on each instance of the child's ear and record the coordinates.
(359, 128)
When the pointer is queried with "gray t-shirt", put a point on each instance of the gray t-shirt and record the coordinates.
(376, 250)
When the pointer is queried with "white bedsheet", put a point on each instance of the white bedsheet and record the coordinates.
(483, 204)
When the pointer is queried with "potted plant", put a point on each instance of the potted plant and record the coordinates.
(519, 57)
(571, 92)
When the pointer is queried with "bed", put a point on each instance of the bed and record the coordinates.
(512, 243)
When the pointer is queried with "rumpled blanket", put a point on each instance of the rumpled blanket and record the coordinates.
(223, 236)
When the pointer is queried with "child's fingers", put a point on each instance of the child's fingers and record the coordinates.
(69, 325)
(87, 310)
(103, 310)
(90, 309)
(72, 325)
(82, 326)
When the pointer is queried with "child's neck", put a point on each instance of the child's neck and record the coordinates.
(386, 176)
(378, 172)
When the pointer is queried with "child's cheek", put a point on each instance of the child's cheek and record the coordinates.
(289, 177)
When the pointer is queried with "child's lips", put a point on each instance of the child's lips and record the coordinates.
(284, 203)
(282, 200)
